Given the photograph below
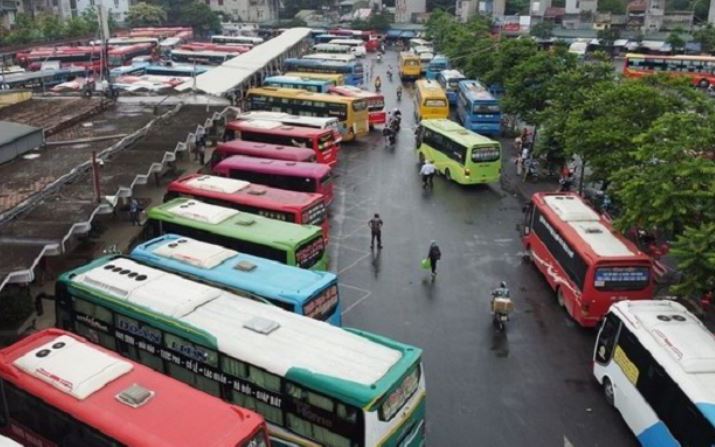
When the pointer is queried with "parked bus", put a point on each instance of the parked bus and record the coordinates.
(321, 141)
(654, 360)
(370, 39)
(124, 41)
(332, 48)
(281, 204)
(477, 109)
(288, 243)
(352, 71)
(438, 64)
(325, 38)
(123, 55)
(242, 40)
(699, 68)
(332, 57)
(304, 292)
(201, 57)
(418, 42)
(587, 263)
(316, 122)
(351, 112)
(375, 102)
(311, 85)
(461, 155)
(314, 383)
(88, 57)
(260, 150)
(430, 101)
(303, 177)
(57, 389)
(357, 46)
(333, 78)
(426, 55)
(410, 69)
(168, 44)
(203, 46)
(176, 70)
(449, 81)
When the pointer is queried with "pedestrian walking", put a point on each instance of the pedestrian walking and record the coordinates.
(198, 142)
(427, 172)
(375, 225)
(434, 255)
(134, 210)
(201, 149)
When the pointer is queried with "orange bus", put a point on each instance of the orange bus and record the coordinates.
(700, 69)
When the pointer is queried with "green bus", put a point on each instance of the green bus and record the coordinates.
(292, 244)
(314, 383)
(460, 154)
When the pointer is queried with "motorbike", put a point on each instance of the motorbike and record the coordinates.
(389, 75)
(501, 308)
(395, 123)
(399, 95)
(379, 58)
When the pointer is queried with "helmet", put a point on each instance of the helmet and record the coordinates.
(503, 284)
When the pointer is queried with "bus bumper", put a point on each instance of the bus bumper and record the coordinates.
(377, 117)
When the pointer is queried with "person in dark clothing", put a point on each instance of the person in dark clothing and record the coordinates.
(134, 210)
(375, 225)
(434, 255)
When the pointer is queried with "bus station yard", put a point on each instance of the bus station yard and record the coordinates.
(531, 384)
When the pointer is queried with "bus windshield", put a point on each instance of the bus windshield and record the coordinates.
(310, 252)
(360, 105)
(435, 103)
(396, 398)
(486, 108)
(484, 154)
(621, 278)
(322, 304)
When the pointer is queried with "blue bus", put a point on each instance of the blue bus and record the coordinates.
(477, 109)
(437, 64)
(176, 70)
(326, 38)
(312, 85)
(449, 81)
(351, 71)
(305, 292)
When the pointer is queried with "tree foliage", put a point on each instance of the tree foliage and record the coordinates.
(543, 30)
(694, 251)
(706, 38)
(676, 40)
(49, 27)
(144, 14)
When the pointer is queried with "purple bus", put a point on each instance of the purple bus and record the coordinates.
(261, 150)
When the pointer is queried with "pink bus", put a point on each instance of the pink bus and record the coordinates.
(261, 150)
(292, 175)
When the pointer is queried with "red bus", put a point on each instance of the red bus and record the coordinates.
(375, 101)
(371, 39)
(261, 150)
(587, 263)
(700, 69)
(57, 389)
(163, 32)
(280, 204)
(123, 55)
(321, 141)
(88, 57)
(201, 46)
(295, 176)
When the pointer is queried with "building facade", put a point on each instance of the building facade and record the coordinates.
(405, 9)
(465, 9)
(247, 10)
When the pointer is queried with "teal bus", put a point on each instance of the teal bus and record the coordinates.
(311, 85)
(461, 155)
(314, 383)
(305, 292)
(292, 244)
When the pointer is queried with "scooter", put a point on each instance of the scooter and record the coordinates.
(501, 307)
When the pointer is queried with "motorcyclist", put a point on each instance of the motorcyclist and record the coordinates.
(399, 93)
(379, 57)
(502, 291)
(500, 311)
(378, 84)
(389, 73)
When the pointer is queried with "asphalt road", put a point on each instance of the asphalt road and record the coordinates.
(529, 386)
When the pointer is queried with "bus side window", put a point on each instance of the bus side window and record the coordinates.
(607, 339)
(528, 218)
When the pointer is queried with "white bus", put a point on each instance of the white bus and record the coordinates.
(315, 122)
(357, 45)
(314, 383)
(417, 42)
(243, 40)
(332, 48)
(656, 364)
(344, 58)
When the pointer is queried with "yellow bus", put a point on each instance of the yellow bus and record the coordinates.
(409, 66)
(352, 113)
(430, 100)
(335, 78)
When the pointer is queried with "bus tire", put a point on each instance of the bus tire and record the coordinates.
(608, 392)
(560, 297)
(703, 83)
(447, 174)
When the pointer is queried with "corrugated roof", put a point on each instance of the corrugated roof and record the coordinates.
(233, 72)
(11, 132)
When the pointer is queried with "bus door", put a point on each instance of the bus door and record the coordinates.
(525, 227)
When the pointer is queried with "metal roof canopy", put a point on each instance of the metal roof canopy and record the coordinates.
(233, 72)
(17, 139)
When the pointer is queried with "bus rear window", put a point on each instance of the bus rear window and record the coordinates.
(435, 103)
(483, 154)
(396, 398)
(621, 278)
(323, 305)
(315, 215)
(326, 141)
(360, 105)
(309, 253)
(486, 108)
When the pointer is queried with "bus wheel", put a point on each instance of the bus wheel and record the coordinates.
(608, 391)
(703, 83)
(560, 297)
(447, 174)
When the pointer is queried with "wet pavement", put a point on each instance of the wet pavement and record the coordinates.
(531, 385)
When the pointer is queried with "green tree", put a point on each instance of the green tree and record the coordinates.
(676, 40)
(694, 252)
(612, 6)
(506, 56)
(200, 17)
(145, 14)
(51, 26)
(706, 38)
(543, 30)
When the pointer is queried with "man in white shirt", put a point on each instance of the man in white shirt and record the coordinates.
(427, 172)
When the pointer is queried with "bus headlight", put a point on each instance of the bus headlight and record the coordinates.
(467, 172)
